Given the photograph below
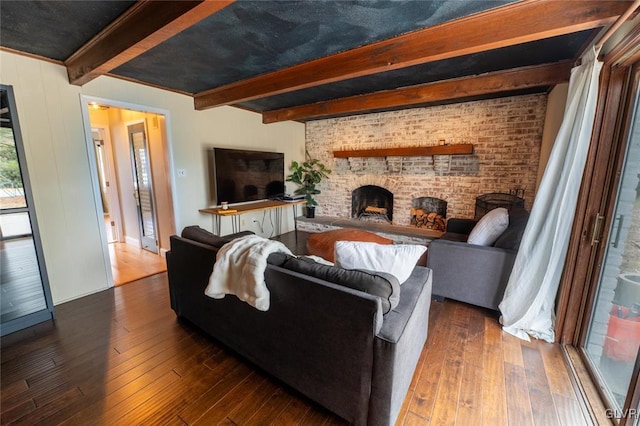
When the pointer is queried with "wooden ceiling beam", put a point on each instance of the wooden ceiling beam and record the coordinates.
(465, 87)
(517, 23)
(143, 26)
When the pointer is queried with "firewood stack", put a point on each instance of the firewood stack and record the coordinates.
(421, 218)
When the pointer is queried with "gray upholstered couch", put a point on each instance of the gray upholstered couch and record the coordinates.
(471, 273)
(330, 342)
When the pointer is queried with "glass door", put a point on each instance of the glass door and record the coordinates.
(25, 296)
(613, 337)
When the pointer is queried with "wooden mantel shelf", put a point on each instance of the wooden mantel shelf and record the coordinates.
(414, 151)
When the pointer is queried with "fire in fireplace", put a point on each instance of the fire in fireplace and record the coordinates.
(371, 201)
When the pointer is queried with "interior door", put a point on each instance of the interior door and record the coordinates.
(25, 297)
(613, 337)
(143, 186)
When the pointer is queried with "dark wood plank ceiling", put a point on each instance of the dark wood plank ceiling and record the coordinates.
(496, 28)
(305, 60)
(473, 87)
(142, 27)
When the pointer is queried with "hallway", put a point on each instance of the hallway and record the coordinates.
(130, 263)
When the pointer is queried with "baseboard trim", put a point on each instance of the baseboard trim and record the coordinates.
(132, 241)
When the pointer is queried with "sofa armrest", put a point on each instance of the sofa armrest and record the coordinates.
(470, 273)
(398, 347)
(460, 226)
(189, 263)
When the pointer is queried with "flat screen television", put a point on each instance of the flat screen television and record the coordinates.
(238, 175)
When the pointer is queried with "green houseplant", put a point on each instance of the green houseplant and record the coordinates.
(307, 175)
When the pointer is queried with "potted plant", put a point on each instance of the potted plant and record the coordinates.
(307, 175)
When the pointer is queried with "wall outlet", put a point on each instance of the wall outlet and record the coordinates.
(182, 172)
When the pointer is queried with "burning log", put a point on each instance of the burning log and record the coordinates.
(376, 210)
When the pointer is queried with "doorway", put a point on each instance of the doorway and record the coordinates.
(132, 189)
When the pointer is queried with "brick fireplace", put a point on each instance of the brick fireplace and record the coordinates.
(372, 201)
(506, 134)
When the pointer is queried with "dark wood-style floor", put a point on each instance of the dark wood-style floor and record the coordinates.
(121, 357)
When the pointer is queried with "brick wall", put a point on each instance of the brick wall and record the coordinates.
(506, 134)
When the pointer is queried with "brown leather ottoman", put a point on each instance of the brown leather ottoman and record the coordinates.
(322, 243)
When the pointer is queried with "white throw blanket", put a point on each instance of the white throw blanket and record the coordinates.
(239, 270)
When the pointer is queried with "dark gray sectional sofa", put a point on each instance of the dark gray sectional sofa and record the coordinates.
(329, 341)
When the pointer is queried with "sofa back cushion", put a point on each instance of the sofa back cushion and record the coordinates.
(510, 239)
(195, 233)
(380, 284)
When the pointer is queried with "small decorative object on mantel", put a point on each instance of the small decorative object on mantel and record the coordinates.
(412, 151)
(307, 175)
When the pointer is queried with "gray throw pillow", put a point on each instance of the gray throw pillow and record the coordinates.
(380, 284)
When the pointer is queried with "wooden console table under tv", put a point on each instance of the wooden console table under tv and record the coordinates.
(235, 211)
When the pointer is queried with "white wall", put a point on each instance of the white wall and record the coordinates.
(50, 115)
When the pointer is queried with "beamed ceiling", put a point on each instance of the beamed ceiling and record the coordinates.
(306, 60)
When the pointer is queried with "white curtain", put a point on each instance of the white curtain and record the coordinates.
(528, 304)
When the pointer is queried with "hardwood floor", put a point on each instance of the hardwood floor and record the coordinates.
(130, 263)
(122, 357)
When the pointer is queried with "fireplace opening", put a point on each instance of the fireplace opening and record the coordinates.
(371, 201)
(429, 213)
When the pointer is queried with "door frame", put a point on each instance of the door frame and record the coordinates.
(608, 203)
(110, 170)
(596, 204)
(48, 313)
(85, 102)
